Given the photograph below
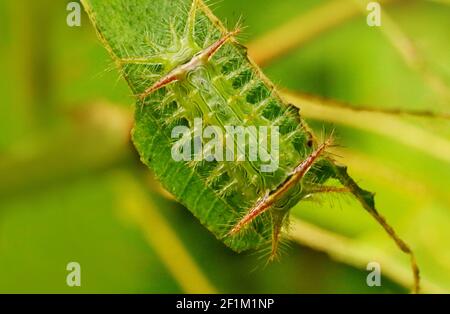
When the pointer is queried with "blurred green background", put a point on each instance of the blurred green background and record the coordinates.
(73, 189)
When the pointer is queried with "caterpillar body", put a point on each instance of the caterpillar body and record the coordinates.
(188, 66)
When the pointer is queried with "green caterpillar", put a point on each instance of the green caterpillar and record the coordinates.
(187, 66)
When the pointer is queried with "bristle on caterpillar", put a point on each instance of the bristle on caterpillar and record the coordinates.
(270, 198)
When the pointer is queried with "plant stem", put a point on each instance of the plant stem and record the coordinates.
(161, 236)
(379, 123)
(302, 29)
(353, 253)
